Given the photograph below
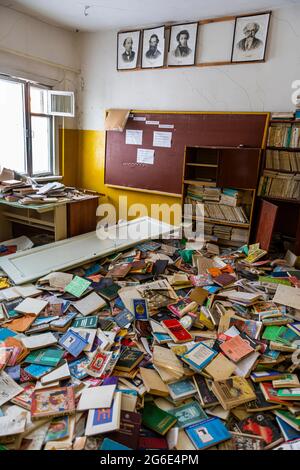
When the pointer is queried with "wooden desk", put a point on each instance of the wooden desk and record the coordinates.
(64, 219)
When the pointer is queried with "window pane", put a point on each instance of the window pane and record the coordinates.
(41, 144)
(38, 100)
(12, 133)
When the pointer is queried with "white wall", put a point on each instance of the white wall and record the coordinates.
(26, 35)
(246, 87)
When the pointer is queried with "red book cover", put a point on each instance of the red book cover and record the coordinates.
(176, 330)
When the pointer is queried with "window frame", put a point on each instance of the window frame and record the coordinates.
(27, 114)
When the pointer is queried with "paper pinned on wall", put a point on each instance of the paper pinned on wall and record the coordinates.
(145, 156)
(162, 139)
(134, 137)
(166, 126)
(139, 118)
(152, 123)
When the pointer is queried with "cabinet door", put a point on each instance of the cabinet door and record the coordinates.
(238, 168)
(265, 226)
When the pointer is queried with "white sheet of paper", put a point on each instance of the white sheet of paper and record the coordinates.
(30, 305)
(9, 426)
(286, 295)
(8, 388)
(134, 137)
(162, 139)
(96, 397)
(89, 304)
(166, 126)
(152, 123)
(145, 156)
(39, 341)
(139, 118)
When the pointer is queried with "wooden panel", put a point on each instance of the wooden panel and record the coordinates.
(190, 129)
(82, 216)
(266, 223)
(238, 168)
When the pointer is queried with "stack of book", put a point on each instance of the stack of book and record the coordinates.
(203, 193)
(282, 116)
(225, 213)
(284, 135)
(280, 185)
(283, 160)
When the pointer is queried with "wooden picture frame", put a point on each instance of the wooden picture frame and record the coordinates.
(176, 31)
(246, 47)
(153, 62)
(128, 47)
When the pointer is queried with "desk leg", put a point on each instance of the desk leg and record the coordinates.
(60, 222)
(5, 227)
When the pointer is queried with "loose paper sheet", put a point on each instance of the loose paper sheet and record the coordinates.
(145, 156)
(134, 137)
(162, 139)
(286, 295)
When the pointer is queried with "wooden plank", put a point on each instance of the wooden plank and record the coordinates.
(60, 222)
(266, 224)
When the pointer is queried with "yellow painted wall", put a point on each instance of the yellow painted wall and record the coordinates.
(83, 156)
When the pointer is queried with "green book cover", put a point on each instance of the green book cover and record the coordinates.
(286, 336)
(288, 393)
(45, 357)
(156, 419)
(188, 414)
(110, 292)
(271, 332)
(77, 286)
(274, 280)
(289, 418)
(86, 322)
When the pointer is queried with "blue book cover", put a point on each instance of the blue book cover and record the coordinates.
(288, 432)
(207, 433)
(140, 309)
(14, 372)
(78, 368)
(6, 333)
(37, 371)
(109, 444)
(199, 356)
(73, 343)
(124, 318)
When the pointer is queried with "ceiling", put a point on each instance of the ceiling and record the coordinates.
(94, 15)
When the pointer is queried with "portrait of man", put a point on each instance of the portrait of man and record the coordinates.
(250, 37)
(183, 44)
(129, 54)
(183, 49)
(250, 41)
(128, 50)
(153, 51)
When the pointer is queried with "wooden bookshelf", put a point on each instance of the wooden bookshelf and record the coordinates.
(275, 213)
(223, 167)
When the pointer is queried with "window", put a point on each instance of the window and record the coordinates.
(26, 128)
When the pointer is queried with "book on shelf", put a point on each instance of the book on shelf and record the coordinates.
(284, 135)
(283, 160)
(280, 185)
(282, 115)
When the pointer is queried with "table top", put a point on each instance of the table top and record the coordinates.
(45, 207)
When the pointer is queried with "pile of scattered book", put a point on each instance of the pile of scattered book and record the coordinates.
(283, 160)
(281, 185)
(26, 191)
(159, 347)
(284, 135)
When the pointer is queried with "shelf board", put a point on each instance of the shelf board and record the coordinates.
(280, 199)
(211, 184)
(207, 165)
(292, 172)
(285, 121)
(221, 222)
(215, 147)
(284, 149)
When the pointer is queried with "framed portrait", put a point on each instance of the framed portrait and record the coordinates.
(250, 38)
(153, 51)
(183, 43)
(128, 50)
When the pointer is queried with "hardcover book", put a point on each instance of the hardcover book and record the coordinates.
(56, 401)
(129, 359)
(128, 434)
(73, 342)
(157, 419)
(176, 331)
(199, 356)
(208, 433)
(233, 392)
(103, 420)
(45, 357)
(181, 389)
(262, 425)
(188, 414)
(236, 348)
